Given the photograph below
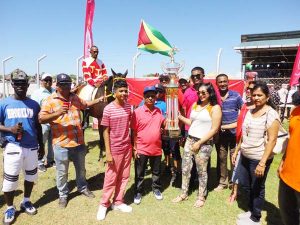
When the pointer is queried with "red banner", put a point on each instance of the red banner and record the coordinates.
(296, 69)
(88, 34)
(136, 87)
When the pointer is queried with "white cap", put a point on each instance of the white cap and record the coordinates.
(45, 75)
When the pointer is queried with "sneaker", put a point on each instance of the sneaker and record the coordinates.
(220, 188)
(122, 207)
(101, 212)
(50, 164)
(157, 194)
(86, 192)
(244, 215)
(246, 221)
(62, 202)
(137, 198)
(9, 216)
(28, 208)
(42, 168)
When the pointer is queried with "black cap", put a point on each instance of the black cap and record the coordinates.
(63, 78)
(18, 75)
(159, 88)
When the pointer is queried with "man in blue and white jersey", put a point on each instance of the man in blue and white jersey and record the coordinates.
(23, 142)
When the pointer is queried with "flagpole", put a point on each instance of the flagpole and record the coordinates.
(134, 62)
(218, 60)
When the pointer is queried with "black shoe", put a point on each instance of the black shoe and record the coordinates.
(173, 178)
(50, 164)
(86, 192)
(63, 201)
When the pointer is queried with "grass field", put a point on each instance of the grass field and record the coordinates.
(82, 210)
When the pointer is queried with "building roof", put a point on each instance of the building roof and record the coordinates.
(288, 39)
(282, 43)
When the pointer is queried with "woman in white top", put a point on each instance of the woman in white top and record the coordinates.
(260, 124)
(204, 121)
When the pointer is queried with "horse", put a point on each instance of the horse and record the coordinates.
(96, 111)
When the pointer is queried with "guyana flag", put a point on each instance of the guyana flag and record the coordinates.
(151, 40)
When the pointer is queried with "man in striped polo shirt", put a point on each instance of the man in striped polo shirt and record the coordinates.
(116, 118)
(231, 104)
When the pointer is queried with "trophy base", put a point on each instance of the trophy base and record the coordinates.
(171, 135)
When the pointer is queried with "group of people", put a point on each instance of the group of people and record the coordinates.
(246, 130)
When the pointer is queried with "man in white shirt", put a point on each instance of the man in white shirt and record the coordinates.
(39, 96)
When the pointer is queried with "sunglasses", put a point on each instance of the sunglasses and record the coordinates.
(202, 92)
(198, 76)
(150, 96)
(47, 80)
(20, 83)
(65, 84)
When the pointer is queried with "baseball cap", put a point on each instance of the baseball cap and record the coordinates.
(63, 78)
(45, 75)
(182, 80)
(18, 75)
(149, 88)
(159, 87)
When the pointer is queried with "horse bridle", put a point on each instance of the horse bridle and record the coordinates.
(114, 80)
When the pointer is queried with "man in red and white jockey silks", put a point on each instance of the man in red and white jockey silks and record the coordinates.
(94, 73)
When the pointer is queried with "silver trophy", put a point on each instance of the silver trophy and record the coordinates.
(172, 69)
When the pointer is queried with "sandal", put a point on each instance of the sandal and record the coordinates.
(180, 198)
(232, 198)
(199, 203)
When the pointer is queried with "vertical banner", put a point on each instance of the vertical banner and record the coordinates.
(296, 69)
(88, 33)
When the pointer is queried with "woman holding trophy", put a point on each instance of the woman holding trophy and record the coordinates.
(204, 121)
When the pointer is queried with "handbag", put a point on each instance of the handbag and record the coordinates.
(282, 139)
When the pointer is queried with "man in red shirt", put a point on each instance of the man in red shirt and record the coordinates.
(94, 72)
(147, 121)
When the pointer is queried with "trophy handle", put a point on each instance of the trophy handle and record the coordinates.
(181, 66)
(163, 67)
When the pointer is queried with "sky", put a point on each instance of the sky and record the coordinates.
(32, 28)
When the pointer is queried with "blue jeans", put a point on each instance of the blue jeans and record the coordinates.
(62, 157)
(47, 137)
(253, 185)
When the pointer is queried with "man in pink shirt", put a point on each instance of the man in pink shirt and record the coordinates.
(116, 118)
(147, 121)
(190, 95)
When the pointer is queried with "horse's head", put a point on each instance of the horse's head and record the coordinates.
(109, 83)
(119, 76)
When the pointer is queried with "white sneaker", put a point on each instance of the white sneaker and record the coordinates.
(246, 221)
(122, 207)
(244, 215)
(101, 212)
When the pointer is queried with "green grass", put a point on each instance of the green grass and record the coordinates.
(82, 210)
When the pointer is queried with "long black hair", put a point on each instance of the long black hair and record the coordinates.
(265, 89)
(211, 91)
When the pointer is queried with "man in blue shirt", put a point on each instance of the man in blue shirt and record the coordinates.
(39, 96)
(23, 134)
(231, 104)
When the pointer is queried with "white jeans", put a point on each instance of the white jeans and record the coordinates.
(15, 159)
